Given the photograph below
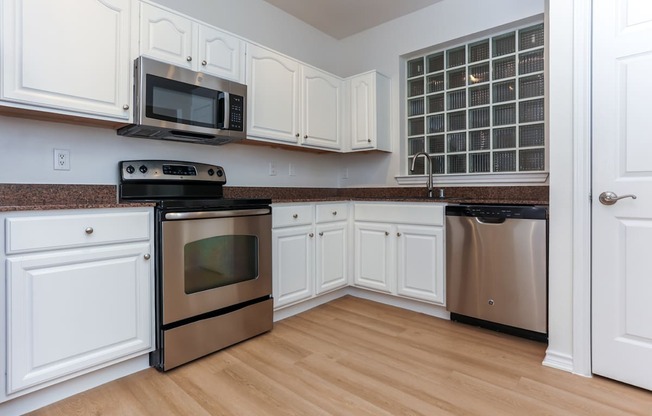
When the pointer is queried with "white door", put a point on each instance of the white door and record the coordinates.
(221, 54)
(167, 36)
(53, 58)
(622, 163)
(322, 109)
(330, 258)
(362, 111)
(273, 95)
(420, 256)
(374, 256)
(292, 270)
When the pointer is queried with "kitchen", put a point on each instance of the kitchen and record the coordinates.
(27, 145)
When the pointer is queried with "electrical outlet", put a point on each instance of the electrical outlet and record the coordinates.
(61, 159)
(272, 169)
(345, 173)
(291, 171)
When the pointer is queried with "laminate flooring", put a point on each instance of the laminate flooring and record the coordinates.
(357, 357)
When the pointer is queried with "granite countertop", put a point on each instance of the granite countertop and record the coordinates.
(29, 197)
(36, 197)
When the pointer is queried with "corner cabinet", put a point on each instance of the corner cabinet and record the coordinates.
(79, 293)
(309, 250)
(181, 41)
(370, 112)
(399, 249)
(292, 103)
(54, 60)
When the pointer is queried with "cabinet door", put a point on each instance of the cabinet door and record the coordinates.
(363, 112)
(420, 254)
(292, 254)
(53, 58)
(167, 36)
(331, 258)
(72, 311)
(322, 109)
(273, 96)
(374, 254)
(221, 54)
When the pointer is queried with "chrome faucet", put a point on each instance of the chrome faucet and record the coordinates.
(428, 169)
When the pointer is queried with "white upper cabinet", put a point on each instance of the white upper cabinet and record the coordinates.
(292, 103)
(369, 100)
(322, 109)
(273, 83)
(55, 60)
(176, 39)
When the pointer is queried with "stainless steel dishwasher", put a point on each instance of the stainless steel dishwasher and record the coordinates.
(496, 267)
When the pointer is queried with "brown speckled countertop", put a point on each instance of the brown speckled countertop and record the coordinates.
(27, 197)
(30, 197)
(518, 195)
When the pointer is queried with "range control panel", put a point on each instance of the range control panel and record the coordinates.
(499, 211)
(170, 170)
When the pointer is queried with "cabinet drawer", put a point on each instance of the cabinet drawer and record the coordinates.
(289, 215)
(35, 233)
(418, 213)
(332, 212)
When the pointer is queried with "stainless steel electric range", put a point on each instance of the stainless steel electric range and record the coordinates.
(213, 258)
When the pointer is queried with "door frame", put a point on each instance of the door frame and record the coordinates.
(570, 185)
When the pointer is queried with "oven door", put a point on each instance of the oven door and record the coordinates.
(213, 260)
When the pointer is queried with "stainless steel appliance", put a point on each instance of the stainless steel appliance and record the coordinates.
(179, 104)
(496, 267)
(213, 259)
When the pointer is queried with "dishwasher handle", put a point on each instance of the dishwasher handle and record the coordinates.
(490, 220)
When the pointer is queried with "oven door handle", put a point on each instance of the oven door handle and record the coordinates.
(216, 214)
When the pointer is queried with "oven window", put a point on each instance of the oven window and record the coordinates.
(220, 261)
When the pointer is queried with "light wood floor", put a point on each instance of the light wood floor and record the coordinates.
(356, 357)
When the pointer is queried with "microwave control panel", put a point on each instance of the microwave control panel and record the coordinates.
(236, 119)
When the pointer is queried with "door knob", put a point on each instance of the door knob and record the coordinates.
(610, 198)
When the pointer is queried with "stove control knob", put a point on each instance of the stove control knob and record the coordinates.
(130, 169)
(220, 173)
(211, 172)
(142, 169)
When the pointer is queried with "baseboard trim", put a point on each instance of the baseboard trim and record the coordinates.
(559, 361)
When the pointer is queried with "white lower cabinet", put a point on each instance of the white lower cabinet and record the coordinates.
(82, 301)
(399, 249)
(309, 250)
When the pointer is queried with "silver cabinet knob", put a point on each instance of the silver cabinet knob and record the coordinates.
(368, 140)
(89, 230)
(398, 234)
(311, 235)
(491, 302)
(334, 212)
(295, 216)
(188, 58)
(610, 198)
(386, 233)
(297, 135)
(125, 107)
(204, 63)
(305, 136)
(321, 234)
(147, 256)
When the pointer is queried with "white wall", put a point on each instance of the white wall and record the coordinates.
(26, 146)
(381, 48)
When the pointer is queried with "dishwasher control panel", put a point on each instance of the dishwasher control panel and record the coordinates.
(499, 211)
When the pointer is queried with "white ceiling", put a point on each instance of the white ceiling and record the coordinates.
(342, 18)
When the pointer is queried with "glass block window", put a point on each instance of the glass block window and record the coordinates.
(479, 107)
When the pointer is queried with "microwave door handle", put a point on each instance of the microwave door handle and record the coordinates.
(227, 110)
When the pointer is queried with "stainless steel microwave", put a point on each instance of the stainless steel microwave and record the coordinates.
(178, 104)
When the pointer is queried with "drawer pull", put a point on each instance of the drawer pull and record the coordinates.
(311, 235)
(89, 230)
(295, 216)
(321, 234)
(147, 256)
